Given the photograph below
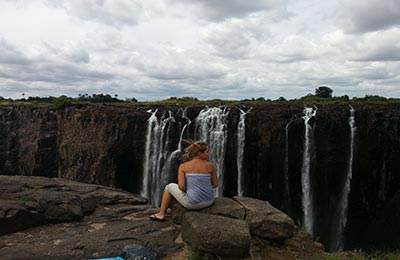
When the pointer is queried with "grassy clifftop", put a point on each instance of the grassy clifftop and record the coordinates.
(183, 101)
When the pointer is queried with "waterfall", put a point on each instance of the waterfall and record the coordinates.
(211, 127)
(338, 235)
(156, 153)
(241, 137)
(152, 123)
(307, 201)
(286, 169)
(173, 157)
(188, 122)
(161, 153)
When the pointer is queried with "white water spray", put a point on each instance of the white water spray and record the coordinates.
(286, 168)
(307, 201)
(152, 122)
(241, 137)
(188, 122)
(338, 238)
(156, 152)
(161, 153)
(173, 157)
(211, 127)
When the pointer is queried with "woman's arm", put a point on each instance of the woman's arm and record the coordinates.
(181, 178)
(214, 177)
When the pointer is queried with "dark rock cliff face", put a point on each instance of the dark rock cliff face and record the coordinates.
(107, 145)
(28, 141)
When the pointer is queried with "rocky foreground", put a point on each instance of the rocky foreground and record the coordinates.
(50, 218)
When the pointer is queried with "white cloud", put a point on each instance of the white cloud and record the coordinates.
(231, 39)
(385, 47)
(218, 10)
(209, 49)
(168, 63)
(114, 13)
(360, 16)
(10, 54)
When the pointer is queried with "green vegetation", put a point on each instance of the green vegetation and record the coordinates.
(199, 255)
(323, 94)
(31, 188)
(23, 199)
(60, 101)
(358, 255)
(63, 100)
(196, 255)
(350, 255)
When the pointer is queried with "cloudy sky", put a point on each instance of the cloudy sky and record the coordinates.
(229, 49)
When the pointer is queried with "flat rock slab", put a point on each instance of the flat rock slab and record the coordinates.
(222, 206)
(31, 201)
(103, 218)
(216, 234)
(266, 221)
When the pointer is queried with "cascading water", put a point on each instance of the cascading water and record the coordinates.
(307, 201)
(161, 153)
(286, 170)
(156, 152)
(152, 123)
(337, 242)
(173, 157)
(211, 127)
(241, 137)
(188, 122)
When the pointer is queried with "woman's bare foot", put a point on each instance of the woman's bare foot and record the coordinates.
(157, 217)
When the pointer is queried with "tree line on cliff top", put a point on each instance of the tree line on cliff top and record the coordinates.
(323, 94)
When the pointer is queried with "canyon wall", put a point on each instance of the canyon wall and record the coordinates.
(114, 146)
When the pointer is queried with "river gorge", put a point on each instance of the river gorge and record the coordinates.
(334, 168)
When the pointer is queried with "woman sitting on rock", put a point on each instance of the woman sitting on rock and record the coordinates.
(197, 179)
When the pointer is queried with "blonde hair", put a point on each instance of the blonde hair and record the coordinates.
(194, 148)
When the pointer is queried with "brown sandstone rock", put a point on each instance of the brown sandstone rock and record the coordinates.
(222, 206)
(216, 234)
(31, 201)
(60, 206)
(266, 221)
(116, 219)
(14, 217)
(300, 246)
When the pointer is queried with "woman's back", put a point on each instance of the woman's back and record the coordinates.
(198, 175)
(197, 166)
